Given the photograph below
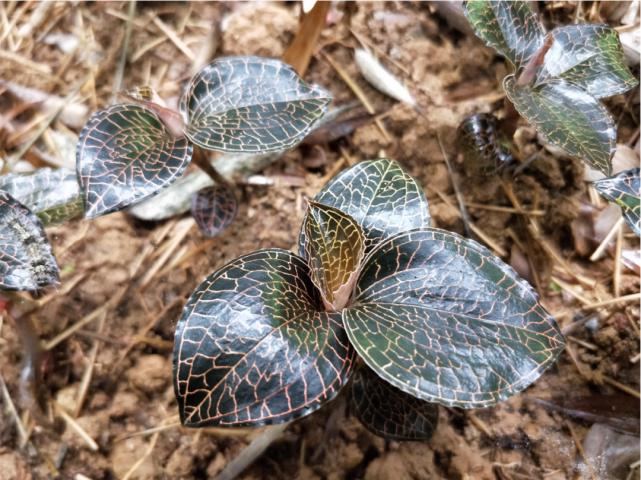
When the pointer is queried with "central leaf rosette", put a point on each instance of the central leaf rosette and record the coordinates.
(272, 336)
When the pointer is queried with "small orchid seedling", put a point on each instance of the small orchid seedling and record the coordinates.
(417, 315)
(559, 76)
(129, 152)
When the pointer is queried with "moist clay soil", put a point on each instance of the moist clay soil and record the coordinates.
(112, 375)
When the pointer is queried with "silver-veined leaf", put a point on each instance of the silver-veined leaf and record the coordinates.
(567, 117)
(53, 195)
(124, 155)
(623, 190)
(382, 198)
(590, 57)
(250, 104)
(253, 346)
(441, 318)
(389, 412)
(214, 209)
(26, 259)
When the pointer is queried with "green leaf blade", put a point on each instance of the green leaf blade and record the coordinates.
(389, 412)
(567, 117)
(623, 190)
(53, 195)
(214, 209)
(253, 348)
(335, 246)
(382, 198)
(509, 27)
(441, 318)
(26, 259)
(124, 155)
(590, 57)
(250, 104)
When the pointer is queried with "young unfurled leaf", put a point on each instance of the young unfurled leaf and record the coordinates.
(510, 27)
(214, 208)
(590, 57)
(53, 195)
(26, 259)
(125, 154)
(444, 320)
(484, 150)
(623, 190)
(388, 412)
(334, 247)
(567, 117)
(250, 104)
(380, 196)
(253, 348)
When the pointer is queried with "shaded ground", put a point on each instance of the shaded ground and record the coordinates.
(129, 352)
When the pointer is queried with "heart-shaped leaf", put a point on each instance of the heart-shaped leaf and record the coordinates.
(590, 57)
(53, 195)
(509, 27)
(253, 348)
(382, 198)
(214, 208)
(26, 259)
(568, 117)
(623, 190)
(335, 246)
(126, 154)
(250, 104)
(484, 149)
(441, 318)
(388, 412)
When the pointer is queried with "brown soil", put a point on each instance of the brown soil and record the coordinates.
(130, 389)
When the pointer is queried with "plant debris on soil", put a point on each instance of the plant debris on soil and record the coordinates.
(108, 328)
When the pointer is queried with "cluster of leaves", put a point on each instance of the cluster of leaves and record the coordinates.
(435, 317)
(129, 152)
(559, 76)
(623, 190)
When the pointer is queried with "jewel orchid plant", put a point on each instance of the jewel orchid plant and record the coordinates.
(418, 315)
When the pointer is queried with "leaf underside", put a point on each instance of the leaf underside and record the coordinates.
(483, 149)
(250, 104)
(590, 57)
(53, 195)
(439, 317)
(623, 190)
(567, 117)
(124, 155)
(388, 412)
(510, 27)
(26, 259)
(214, 209)
(335, 246)
(253, 348)
(382, 198)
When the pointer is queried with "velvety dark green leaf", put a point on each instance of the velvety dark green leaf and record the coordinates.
(388, 412)
(590, 57)
(483, 148)
(380, 196)
(623, 190)
(53, 195)
(250, 104)
(509, 27)
(441, 318)
(26, 259)
(126, 154)
(568, 117)
(335, 246)
(214, 208)
(252, 346)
